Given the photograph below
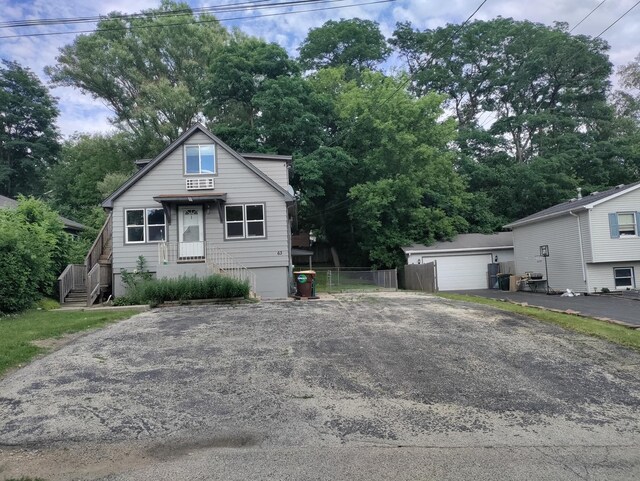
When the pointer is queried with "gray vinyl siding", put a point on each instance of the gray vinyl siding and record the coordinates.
(564, 261)
(606, 249)
(241, 185)
(275, 169)
(601, 275)
(585, 226)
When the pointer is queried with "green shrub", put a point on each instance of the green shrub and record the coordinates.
(156, 291)
(34, 249)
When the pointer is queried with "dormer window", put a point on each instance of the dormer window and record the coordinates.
(199, 159)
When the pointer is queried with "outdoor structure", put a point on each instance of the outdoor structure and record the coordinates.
(71, 227)
(197, 209)
(589, 243)
(463, 263)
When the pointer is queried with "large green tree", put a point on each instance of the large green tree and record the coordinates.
(353, 43)
(149, 68)
(531, 102)
(389, 180)
(88, 164)
(28, 135)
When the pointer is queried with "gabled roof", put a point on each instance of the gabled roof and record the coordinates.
(108, 202)
(574, 205)
(466, 242)
(7, 202)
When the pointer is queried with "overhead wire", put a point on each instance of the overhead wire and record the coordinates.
(618, 19)
(196, 22)
(587, 16)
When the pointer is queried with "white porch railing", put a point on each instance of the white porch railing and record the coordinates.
(218, 260)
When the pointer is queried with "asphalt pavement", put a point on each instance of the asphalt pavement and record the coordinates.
(604, 306)
(364, 387)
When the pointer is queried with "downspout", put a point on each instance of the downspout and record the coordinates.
(584, 269)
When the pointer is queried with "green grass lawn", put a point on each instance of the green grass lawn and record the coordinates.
(18, 331)
(586, 325)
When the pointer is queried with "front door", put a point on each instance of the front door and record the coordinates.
(191, 235)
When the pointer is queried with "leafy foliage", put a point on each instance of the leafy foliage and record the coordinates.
(355, 44)
(33, 251)
(139, 275)
(28, 136)
(89, 166)
(150, 72)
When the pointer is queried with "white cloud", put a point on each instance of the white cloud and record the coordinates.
(80, 112)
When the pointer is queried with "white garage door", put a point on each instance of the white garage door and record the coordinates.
(461, 272)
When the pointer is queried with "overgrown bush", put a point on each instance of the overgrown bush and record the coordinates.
(156, 291)
(33, 251)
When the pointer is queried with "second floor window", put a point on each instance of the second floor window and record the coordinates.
(627, 224)
(199, 159)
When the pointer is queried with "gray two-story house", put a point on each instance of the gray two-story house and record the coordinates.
(198, 208)
(593, 241)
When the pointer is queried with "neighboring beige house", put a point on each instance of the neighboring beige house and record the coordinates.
(198, 208)
(593, 241)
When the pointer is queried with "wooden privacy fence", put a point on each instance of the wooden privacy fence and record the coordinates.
(421, 277)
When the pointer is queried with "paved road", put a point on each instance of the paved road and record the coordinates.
(361, 388)
(618, 308)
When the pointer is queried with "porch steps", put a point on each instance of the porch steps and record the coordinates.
(76, 298)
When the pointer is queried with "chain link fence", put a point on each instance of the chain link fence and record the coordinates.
(341, 279)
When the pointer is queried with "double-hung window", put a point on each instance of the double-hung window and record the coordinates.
(199, 159)
(624, 224)
(145, 225)
(244, 221)
(623, 277)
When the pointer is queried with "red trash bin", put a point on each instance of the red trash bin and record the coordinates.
(305, 286)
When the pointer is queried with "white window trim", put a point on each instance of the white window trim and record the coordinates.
(145, 226)
(215, 159)
(635, 226)
(245, 222)
(633, 276)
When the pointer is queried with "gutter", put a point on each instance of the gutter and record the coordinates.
(584, 269)
(463, 249)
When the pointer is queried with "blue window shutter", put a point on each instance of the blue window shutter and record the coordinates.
(638, 223)
(613, 225)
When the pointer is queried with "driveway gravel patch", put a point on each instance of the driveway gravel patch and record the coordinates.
(369, 371)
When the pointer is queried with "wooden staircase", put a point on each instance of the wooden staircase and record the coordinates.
(80, 285)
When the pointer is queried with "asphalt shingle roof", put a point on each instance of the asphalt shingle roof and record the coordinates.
(467, 241)
(7, 202)
(571, 205)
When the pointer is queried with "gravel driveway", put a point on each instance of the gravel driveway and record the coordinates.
(277, 386)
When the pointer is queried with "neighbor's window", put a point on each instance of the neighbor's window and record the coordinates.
(200, 159)
(627, 223)
(244, 221)
(623, 277)
(145, 225)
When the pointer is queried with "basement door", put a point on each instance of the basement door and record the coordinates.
(462, 272)
(191, 233)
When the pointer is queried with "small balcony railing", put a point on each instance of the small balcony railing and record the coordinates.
(218, 261)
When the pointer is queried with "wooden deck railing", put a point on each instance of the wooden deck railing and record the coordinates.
(104, 237)
(73, 277)
(93, 284)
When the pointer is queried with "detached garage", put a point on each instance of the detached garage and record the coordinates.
(462, 264)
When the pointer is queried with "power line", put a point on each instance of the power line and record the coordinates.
(618, 19)
(215, 20)
(587, 16)
(93, 19)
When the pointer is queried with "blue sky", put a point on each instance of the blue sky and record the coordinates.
(83, 114)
